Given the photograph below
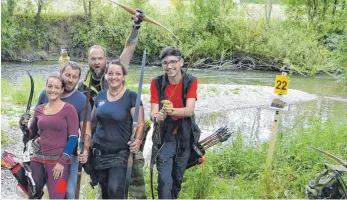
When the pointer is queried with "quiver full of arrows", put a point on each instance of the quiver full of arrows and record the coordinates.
(198, 151)
(20, 171)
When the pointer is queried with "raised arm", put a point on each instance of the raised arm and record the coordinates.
(130, 44)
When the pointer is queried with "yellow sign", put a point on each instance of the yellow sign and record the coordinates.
(281, 84)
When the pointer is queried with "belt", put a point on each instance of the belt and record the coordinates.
(103, 152)
(43, 157)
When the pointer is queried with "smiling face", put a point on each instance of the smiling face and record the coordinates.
(71, 78)
(54, 88)
(172, 65)
(97, 61)
(115, 76)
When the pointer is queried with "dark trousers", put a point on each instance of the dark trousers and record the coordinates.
(42, 174)
(171, 163)
(112, 181)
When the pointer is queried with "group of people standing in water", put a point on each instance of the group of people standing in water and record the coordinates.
(60, 111)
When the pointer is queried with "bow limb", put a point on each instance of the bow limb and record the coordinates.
(32, 85)
(145, 18)
(151, 179)
(344, 163)
(83, 136)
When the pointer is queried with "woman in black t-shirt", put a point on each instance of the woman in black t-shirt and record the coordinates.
(113, 114)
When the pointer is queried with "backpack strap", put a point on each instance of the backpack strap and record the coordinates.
(187, 82)
(87, 80)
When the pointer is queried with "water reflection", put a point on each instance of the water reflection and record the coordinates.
(256, 123)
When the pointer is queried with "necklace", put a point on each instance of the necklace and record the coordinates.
(114, 96)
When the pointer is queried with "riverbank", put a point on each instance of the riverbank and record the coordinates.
(217, 34)
(228, 173)
(233, 170)
(237, 99)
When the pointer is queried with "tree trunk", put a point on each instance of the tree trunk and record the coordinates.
(38, 14)
(11, 5)
(315, 8)
(324, 8)
(268, 9)
(309, 7)
(90, 13)
(334, 7)
(85, 9)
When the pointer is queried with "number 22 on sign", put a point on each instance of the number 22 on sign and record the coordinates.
(281, 84)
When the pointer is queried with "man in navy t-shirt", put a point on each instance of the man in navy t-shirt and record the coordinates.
(71, 73)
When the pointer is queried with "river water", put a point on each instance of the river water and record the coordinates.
(237, 99)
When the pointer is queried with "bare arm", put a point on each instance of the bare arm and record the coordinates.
(154, 109)
(88, 136)
(135, 144)
(141, 121)
(187, 111)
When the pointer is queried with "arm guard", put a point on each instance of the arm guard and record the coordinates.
(69, 148)
(134, 35)
(70, 145)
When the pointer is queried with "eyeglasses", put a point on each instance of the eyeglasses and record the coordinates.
(171, 62)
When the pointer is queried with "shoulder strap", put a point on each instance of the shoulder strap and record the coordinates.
(161, 83)
(186, 85)
(88, 79)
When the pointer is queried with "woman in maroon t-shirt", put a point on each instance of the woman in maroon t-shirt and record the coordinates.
(54, 130)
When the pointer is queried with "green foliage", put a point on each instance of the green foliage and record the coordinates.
(13, 124)
(235, 171)
(328, 20)
(198, 184)
(311, 40)
(19, 94)
(5, 139)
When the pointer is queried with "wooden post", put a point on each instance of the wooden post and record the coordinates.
(281, 87)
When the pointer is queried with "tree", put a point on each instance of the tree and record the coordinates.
(268, 10)
(87, 10)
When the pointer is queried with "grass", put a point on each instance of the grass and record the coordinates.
(13, 124)
(19, 93)
(134, 88)
(5, 140)
(214, 89)
(211, 117)
(237, 170)
(236, 90)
